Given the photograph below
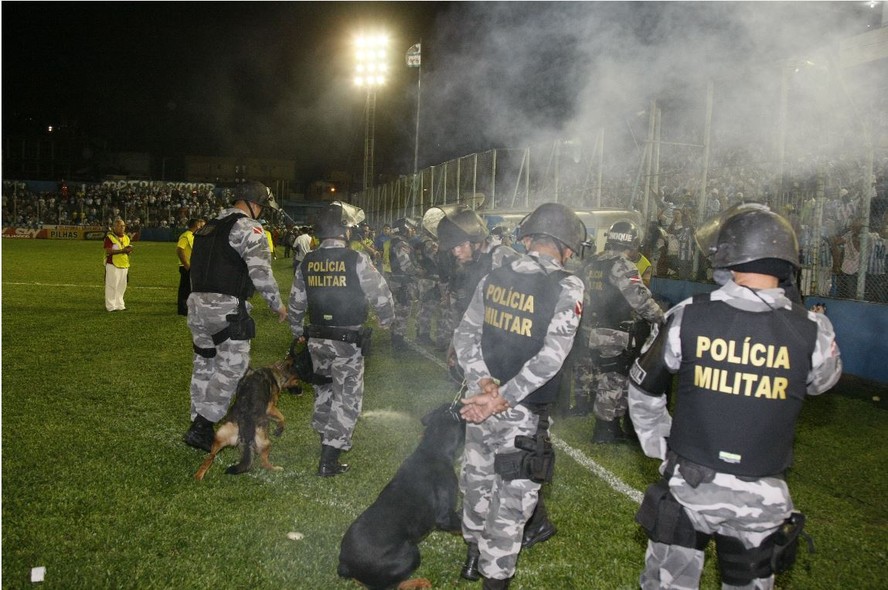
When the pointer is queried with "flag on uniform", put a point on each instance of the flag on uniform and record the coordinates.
(414, 56)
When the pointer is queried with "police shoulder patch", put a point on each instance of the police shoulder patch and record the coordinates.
(578, 308)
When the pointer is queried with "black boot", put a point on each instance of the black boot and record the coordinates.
(539, 528)
(491, 584)
(470, 568)
(424, 339)
(200, 434)
(398, 343)
(330, 465)
(607, 432)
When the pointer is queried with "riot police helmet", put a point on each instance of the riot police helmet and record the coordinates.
(463, 226)
(404, 224)
(336, 218)
(555, 221)
(622, 235)
(252, 191)
(756, 239)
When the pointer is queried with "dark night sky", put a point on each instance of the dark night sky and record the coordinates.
(258, 78)
(274, 79)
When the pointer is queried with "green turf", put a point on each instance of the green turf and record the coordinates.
(97, 485)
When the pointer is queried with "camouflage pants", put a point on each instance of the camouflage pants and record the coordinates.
(746, 510)
(611, 396)
(337, 405)
(429, 305)
(214, 380)
(404, 296)
(494, 510)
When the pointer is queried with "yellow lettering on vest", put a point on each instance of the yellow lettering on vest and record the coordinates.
(755, 355)
(703, 344)
(780, 385)
(723, 383)
(719, 349)
(749, 380)
(528, 305)
(782, 360)
(764, 388)
(525, 326)
(702, 376)
(732, 356)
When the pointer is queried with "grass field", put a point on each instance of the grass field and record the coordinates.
(97, 485)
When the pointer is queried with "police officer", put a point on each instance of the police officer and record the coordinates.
(336, 286)
(511, 343)
(615, 297)
(402, 281)
(428, 290)
(746, 356)
(230, 260)
(464, 235)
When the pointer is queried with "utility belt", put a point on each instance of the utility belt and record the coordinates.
(535, 457)
(360, 336)
(240, 327)
(664, 520)
(612, 364)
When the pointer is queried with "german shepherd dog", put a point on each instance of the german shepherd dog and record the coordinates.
(381, 547)
(246, 423)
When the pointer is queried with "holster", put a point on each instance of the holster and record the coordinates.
(663, 518)
(303, 366)
(240, 325)
(534, 459)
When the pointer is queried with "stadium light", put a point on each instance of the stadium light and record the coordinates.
(371, 70)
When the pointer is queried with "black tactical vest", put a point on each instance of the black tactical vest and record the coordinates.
(466, 279)
(335, 297)
(742, 381)
(604, 306)
(518, 308)
(394, 263)
(216, 267)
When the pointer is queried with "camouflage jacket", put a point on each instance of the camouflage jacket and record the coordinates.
(556, 345)
(649, 413)
(375, 290)
(624, 276)
(248, 239)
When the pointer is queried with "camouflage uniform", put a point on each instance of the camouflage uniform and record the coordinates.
(734, 499)
(428, 289)
(338, 404)
(495, 510)
(214, 379)
(609, 388)
(402, 282)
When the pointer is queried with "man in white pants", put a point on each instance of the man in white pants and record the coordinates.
(117, 251)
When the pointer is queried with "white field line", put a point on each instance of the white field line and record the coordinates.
(34, 284)
(609, 478)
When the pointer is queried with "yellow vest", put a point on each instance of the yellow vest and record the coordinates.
(186, 242)
(120, 260)
(642, 264)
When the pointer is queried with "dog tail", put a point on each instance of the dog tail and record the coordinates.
(246, 436)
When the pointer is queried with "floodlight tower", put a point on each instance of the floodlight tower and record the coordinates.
(371, 69)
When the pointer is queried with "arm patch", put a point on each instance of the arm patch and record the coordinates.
(649, 371)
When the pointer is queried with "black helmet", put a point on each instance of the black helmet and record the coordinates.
(255, 192)
(433, 216)
(334, 219)
(754, 233)
(556, 221)
(403, 224)
(463, 226)
(622, 235)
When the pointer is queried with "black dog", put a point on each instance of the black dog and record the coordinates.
(380, 549)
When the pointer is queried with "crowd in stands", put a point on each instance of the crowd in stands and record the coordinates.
(153, 205)
(829, 236)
